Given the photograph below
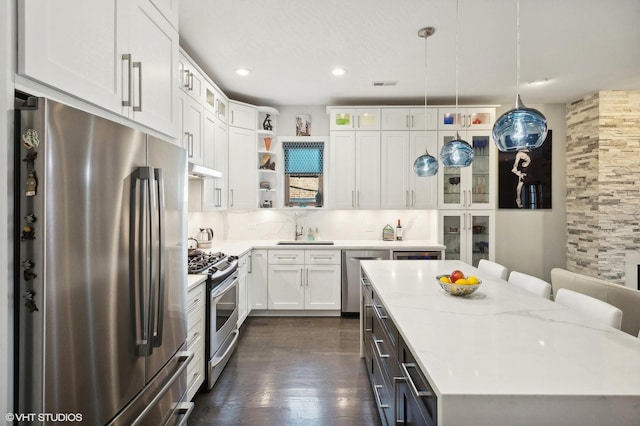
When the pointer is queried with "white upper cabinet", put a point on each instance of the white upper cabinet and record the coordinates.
(354, 119)
(467, 118)
(190, 79)
(242, 115)
(168, 9)
(216, 102)
(120, 55)
(409, 118)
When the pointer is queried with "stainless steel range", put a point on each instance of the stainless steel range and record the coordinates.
(222, 308)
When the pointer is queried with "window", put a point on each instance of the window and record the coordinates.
(303, 173)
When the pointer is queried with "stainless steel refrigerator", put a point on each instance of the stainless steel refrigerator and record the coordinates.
(101, 283)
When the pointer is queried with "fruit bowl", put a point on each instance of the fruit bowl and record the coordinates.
(458, 289)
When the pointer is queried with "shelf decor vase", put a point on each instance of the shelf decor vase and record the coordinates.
(267, 144)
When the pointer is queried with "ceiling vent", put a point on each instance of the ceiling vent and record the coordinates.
(384, 83)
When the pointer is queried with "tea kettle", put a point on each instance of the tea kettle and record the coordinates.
(205, 237)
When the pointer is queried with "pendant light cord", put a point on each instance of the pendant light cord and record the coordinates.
(457, 43)
(425, 90)
(517, 53)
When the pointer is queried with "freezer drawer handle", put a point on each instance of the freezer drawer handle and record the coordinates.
(184, 409)
(182, 357)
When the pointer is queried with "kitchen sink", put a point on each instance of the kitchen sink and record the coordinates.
(304, 243)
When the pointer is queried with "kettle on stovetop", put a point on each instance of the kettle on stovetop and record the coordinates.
(205, 238)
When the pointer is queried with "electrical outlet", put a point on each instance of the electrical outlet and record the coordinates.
(251, 226)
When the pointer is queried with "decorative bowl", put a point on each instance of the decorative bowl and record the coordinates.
(457, 289)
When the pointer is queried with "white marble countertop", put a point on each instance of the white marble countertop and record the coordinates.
(239, 247)
(193, 280)
(504, 356)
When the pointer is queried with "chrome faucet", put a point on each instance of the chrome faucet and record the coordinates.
(297, 234)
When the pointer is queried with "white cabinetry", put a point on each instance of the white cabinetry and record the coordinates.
(242, 170)
(191, 128)
(215, 141)
(468, 235)
(468, 187)
(258, 270)
(304, 279)
(242, 115)
(354, 119)
(401, 188)
(216, 102)
(243, 288)
(409, 118)
(466, 118)
(192, 82)
(268, 197)
(355, 169)
(169, 9)
(195, 337)
(120, 55)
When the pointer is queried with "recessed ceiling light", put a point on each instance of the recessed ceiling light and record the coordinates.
(539, 82)
(243, 71)
(338, 71)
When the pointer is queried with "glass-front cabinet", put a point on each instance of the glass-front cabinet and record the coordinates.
(468, 235)
(354, 119)
(466, 118)
(468, 187)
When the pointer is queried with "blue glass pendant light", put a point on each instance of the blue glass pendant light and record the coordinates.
(520, 128)
(426, 164)
(458, 152)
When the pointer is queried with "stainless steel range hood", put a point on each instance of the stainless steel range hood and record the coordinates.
(202, 172)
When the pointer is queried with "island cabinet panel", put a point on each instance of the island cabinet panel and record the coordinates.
(392, 369)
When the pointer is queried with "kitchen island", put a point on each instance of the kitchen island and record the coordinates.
(502, 356)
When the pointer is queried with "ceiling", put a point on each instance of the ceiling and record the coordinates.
(291, 46)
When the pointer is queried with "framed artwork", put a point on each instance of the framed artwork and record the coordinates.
(303, 125)
(524, 178)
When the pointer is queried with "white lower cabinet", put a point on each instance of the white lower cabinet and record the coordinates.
(258, 270)
(243, 288)
(196, 305)
(304, 279)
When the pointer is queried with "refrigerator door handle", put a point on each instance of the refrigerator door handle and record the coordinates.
(182, 357)
(159, 319)
(138, 254)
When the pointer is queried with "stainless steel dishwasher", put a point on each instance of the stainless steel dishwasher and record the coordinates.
(351, 276)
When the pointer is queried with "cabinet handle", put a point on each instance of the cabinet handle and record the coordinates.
(232, 117)
(378, 314)
(407, 121)
(368, 330)
(286, 257)
(353, 198)
(193, 305)
(412, 121)
(231, 197)
(320, 257)
(406, 198)
(219, 191)
(301, 283)
(307, 279)
(380, 354)
(192, 341)
(189, 147)
(139, 66)
(127, 57)
(405, 366)
(395, 401)
(413, 198)
(191, 143)
(185, 84)
(190, 80)
(358, 198)
(358, 118)
(378, 400)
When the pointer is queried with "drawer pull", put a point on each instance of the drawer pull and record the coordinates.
(376, 390)
(193, 340)
(380, 354)
(193, 305)
(378, 313)
(405, 366)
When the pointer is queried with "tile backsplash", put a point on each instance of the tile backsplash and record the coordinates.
(278, 224)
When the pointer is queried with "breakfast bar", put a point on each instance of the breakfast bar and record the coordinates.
(499, 356)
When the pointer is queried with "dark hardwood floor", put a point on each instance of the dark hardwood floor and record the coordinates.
(291, 371)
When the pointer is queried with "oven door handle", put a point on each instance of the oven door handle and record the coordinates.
(224, 288)
(213, 363)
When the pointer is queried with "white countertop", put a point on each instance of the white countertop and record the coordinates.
(506, 355)
(193, 280)
(239, 247)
